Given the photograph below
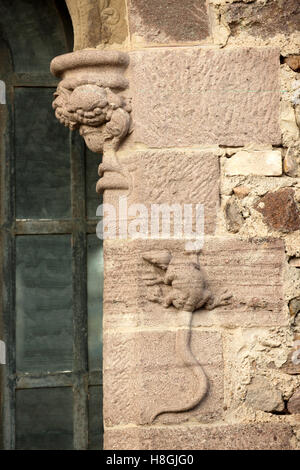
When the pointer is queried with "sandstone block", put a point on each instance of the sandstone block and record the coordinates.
(280, 210)
(251, 271)
(143, 375)
(157, 22)
(264, 163)
(173, 177)
(200, 95)
(228, 437)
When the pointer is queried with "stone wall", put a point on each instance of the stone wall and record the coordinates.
(215, 89)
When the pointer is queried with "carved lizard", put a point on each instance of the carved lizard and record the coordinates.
(189, 292)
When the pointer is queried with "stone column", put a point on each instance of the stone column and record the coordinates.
(191, 332)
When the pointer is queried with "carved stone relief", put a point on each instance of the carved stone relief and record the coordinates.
(88, 99)
(187, 291)
(97, 22)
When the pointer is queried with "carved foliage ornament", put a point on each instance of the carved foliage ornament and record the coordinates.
(88, 99)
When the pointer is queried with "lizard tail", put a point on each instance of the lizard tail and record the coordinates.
(184, 353)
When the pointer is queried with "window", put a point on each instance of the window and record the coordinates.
(51, 258)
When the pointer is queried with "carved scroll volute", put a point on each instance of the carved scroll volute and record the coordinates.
(88, 99)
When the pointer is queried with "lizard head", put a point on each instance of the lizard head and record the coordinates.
(160, 258)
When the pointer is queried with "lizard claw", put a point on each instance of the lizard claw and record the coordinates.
(152, 280)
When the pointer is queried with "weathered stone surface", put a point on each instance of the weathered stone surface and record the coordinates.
(294, 402)
(173, 177)
(144, 375)
(205, 96)
(264, 163)
(261, 395)
(157, 21)
(228, 437)
(176, 177)
(250, 271)
(264, 19)
(293, 62)
(233, 216)
(280, 210)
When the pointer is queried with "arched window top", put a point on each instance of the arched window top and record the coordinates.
(35, 31)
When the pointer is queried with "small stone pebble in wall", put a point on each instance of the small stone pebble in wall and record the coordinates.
(294, 261)
(293, 62)
(233, 215)
(290, 164)
(241, 191)
(294, 306)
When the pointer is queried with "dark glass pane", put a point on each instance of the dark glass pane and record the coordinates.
(44, 419)
(34, 31)
(95, 296)
(42, 157)
(95, 418)
(92, 198)
(44, 303)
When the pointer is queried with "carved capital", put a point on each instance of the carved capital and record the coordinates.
(88, 99)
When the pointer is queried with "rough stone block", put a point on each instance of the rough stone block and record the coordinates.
(241, 191)
(293, 62)
(250, 270)
(262, 395)
(264, 19)
(292, 364)
(233, 215)
(143, 375)
(294, 402)
(228, 437)
(200, 95)
(263, 163)
(157, 22)
(280, 210)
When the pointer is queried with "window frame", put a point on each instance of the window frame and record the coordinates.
(78, 227)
